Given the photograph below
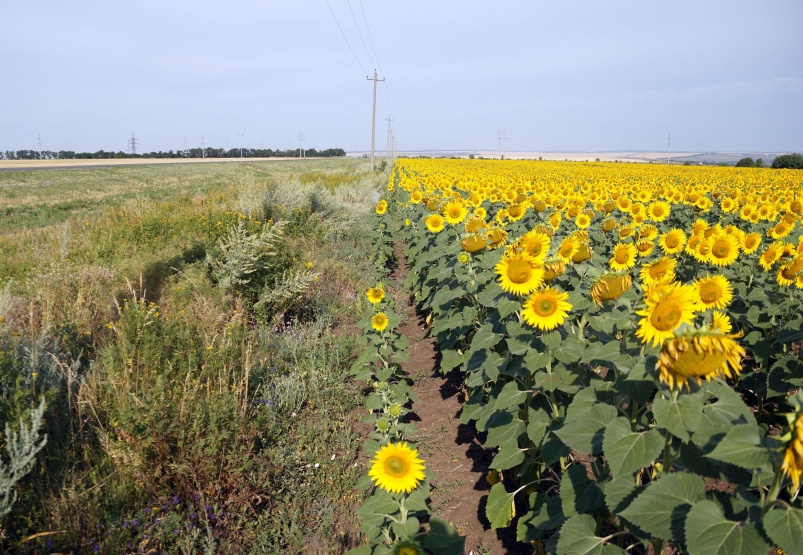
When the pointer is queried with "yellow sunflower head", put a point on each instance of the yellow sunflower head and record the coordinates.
(673, 241)
(583, 253)
(434, 223)
(375, 294)
(662, 270)
(668, 306)
(644, 247)
(407, 547)
(379, 322)
(454, 211)
(648, 232)
(787, 274)
(720, 321)
(474, 224)
(624, 257)
(609, 225)
(520, 273)
(546, 309)
(381, 207)
(610, 286)
(536, 244)
(751, 242)
(625, 231)
(582, 221)
(473, 243)
(793, 454)
(397, 468)
(770, 256)
(568, 248)
(714, 292)
(516, 212)
(496, 237)
(699, 354)
(553, 268)
(724, 249)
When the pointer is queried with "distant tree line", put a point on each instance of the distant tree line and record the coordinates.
(190, 153)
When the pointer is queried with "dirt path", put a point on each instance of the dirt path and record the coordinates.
(449, 448)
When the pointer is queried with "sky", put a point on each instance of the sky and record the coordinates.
(581, 75)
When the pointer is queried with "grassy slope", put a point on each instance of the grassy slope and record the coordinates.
(180, 418)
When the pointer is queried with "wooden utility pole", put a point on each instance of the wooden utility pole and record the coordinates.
(373, 120)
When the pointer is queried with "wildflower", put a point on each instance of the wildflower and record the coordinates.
(700, 354)
(375, 294)
(379, 322)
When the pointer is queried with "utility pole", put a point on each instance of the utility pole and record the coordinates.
(40, 146)
(302, 138)
(203, 147)
(132, 144)
(185, 146)
(241, 145)
(668, 146)
(387, 148)
(373, 120)
(502, 136)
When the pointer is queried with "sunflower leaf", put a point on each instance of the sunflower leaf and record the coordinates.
(785, 528)
(584, 431)
(577, 537)
(742, 447)
(708, 532)
(680, 415)
(499, 510)
(627, 451)
(443, 539)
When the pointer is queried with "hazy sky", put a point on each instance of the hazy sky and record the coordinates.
(720, 75)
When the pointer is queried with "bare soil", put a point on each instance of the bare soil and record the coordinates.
(450, 449)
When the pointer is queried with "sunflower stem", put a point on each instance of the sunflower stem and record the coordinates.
(774, 490)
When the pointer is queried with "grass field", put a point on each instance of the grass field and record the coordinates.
(184, 326)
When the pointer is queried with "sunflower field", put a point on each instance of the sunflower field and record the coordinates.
(629, 338)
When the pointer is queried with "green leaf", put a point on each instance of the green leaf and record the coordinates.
(509, 455)
(507, 306)
(627, 451)
(620, 493)
(546, 516)
(708, 532)
(661, 508)
(442, 539)
(510, 396)
(485, 338)
(579, 494)
(499, 510)
(785, 528)
(637, 382)
(584, 432)
(577, 537)
(742, 447)
(602, 351)
(450, 359)
(681, 415)
(537, 423)
(552, 340)
(503, 426)
(518, 341)
(536, 360)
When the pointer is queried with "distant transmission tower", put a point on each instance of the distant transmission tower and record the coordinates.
(387, 148)
(203, 147)
(132, 144)
(302, 138)
(502, 136)
(185, 146)
(40, 146)
(668, 146)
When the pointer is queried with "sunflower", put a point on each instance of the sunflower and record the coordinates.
(546, 309)
(553, 268)
(609, 225)
(714, 291)
(770, 256)
(568, 248)
(624, 257)
(672, 241)
(583, 253)
(648, 232)
(720, 321)
(475, 223)
(520, 273)
(644, 247)
(582, 221)
(407, 547)
(496, 237)
(379, 322)
(375, 294)
(658, 211)
(434, 223)
(724, 250)
(480, 212)
(699, 226)
(416, 196)
(751, 242)
(535, 243)
(473, 243)
(464, 258)
(516, 212)
(625, 231)
(787, 274)
(396, 468)
(780, 230)
(793, 456)
(610, 286)
(699, 354)
(455, 211)
(662, 270)
(668, 307)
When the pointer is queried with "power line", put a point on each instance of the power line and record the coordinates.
(386, 98)
(347, 40)
(359, 32)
